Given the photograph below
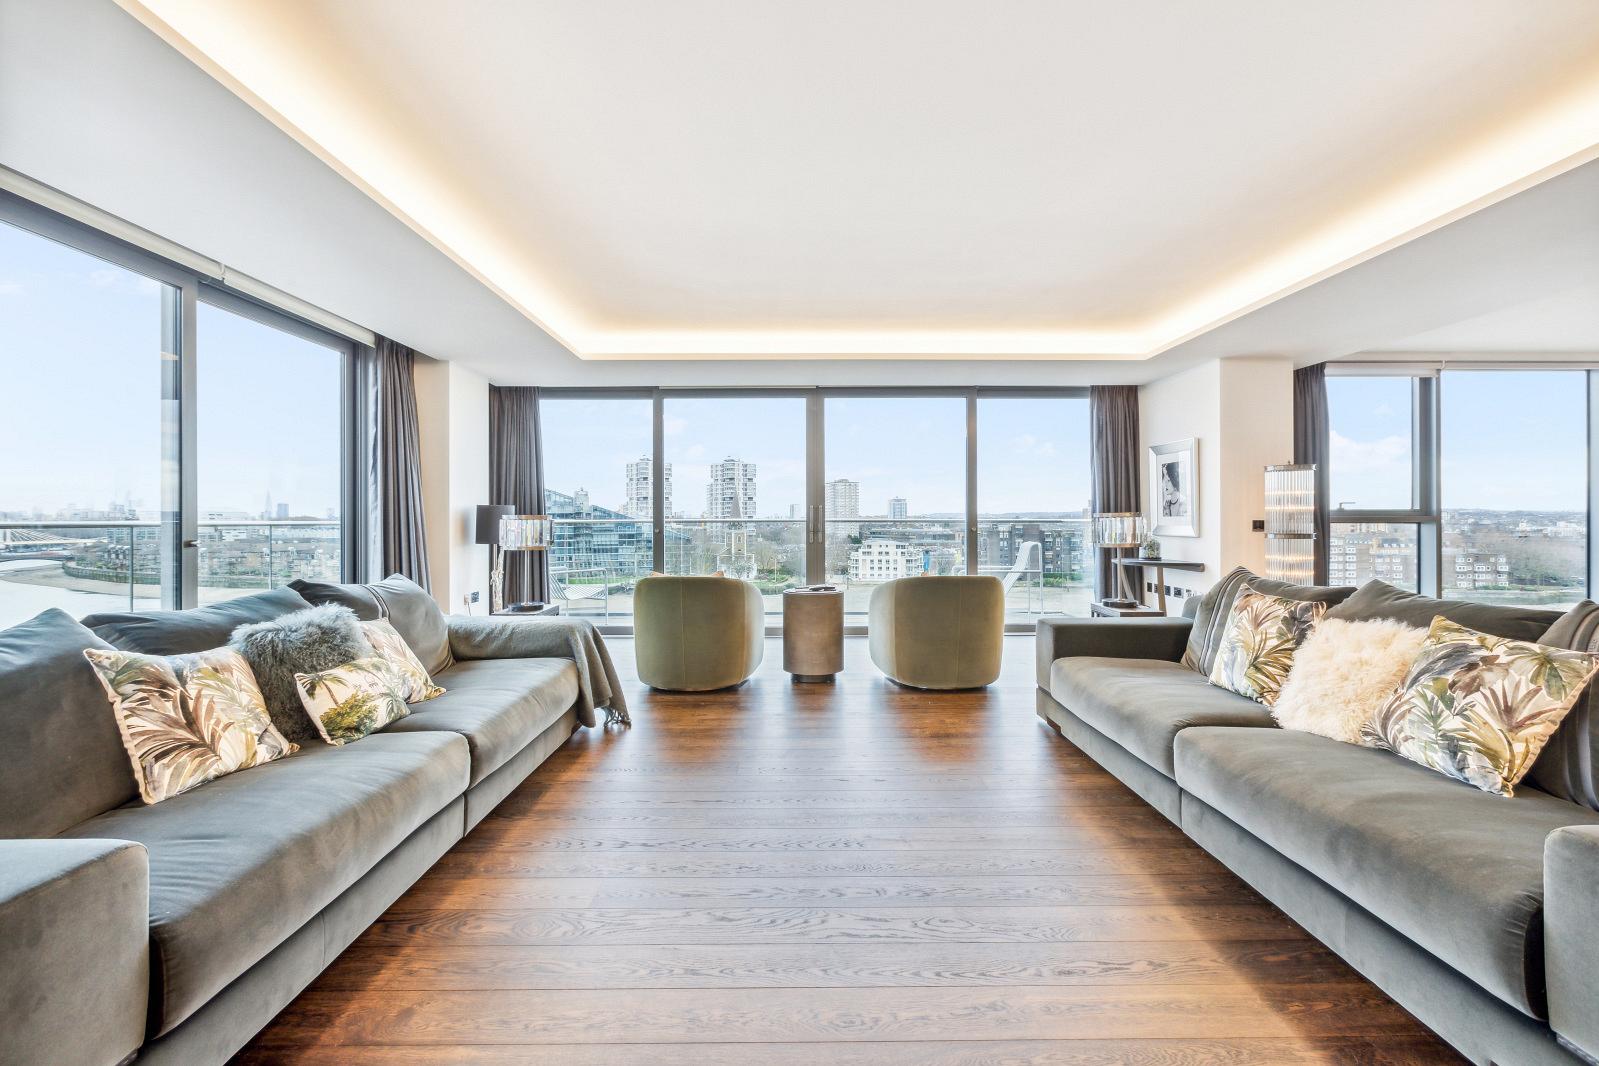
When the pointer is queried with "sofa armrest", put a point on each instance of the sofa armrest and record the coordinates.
(75, 922)
(1116, 638)
(547, 638)
(1571, 949)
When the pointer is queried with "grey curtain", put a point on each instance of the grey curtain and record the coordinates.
(516, 477)
(1113, 415)
(1312, 444)
(399, 458)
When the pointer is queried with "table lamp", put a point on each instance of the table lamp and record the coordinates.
(1119, 529)
(523, 533)
(488, 532)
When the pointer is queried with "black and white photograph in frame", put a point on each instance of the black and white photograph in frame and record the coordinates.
(1174, 488)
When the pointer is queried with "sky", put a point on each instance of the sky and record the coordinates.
(80, 358)
(1032, 452)
(1511, 440)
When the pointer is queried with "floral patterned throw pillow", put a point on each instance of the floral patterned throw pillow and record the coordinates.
(350, 701)
(187, 719)
(1479, 708)
(392, 648)
(1258, 649)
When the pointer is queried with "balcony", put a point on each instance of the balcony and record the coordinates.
(84, 567)
(596, 562)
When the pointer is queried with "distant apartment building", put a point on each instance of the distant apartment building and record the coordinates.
(588, 548)
(1477, 570)
(843, 501)
(899, 508)
(640, 499)
(1359, 553)
(881, 559)
(731, 491)
(1061, 550)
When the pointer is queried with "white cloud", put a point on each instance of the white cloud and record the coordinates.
(10, 288)
(1386, 454)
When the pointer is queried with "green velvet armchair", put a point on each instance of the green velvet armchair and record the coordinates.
(695, 634)
(938, 632)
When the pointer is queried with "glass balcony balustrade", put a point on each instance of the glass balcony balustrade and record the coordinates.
(89, 566)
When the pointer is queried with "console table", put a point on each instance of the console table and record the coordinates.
(1160, 567)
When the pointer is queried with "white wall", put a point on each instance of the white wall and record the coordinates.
(453, 421)
(1240, 411)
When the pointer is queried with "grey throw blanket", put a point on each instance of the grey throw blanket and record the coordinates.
(549, 638)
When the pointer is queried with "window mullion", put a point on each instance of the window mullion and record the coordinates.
(180, 462)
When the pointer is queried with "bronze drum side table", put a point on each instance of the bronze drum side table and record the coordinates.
(813, 633)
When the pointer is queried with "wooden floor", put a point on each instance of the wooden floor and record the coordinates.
(850, 873)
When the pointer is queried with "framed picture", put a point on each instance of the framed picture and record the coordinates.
(1174, 488)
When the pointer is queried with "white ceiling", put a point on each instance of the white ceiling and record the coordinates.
(866, 178)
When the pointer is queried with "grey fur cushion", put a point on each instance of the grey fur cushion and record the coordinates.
(318, 638)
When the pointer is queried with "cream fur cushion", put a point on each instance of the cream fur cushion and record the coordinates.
(1343, 674)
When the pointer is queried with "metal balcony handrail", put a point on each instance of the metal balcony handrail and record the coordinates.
(139, 523)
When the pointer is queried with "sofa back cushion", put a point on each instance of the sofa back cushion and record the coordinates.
(407, 606)
(195, 630)
(1568, 766)
(1375, 600)
(61, 757)
(1216, 607)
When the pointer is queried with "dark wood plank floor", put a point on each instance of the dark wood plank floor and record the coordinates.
(816, 874)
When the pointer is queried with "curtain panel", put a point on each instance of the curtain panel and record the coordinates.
(1313, 444)
(516, 477)
(1113, 417)
(398, 452)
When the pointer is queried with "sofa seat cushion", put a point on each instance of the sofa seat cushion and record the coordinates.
(240, 863)
(498, 705)
(1142, 704)
(1457, 871)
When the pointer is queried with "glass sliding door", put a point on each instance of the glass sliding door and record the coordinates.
(1033, 503)
(269, 425)
(88, 464)
(736, 467)
(895, 490)
(598, 470)
(1515, 486)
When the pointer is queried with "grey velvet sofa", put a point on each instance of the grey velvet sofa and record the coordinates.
(172, 933)
(1478, 914)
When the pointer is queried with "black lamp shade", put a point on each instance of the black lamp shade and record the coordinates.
(488, 521)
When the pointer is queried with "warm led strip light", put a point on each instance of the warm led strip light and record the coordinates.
(293, 91)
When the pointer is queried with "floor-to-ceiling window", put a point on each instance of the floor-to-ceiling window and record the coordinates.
(85, 507)
(598, 476)
(166, 441)
(737, 466)
(853, 487)
(269, 422)
(1468, 483)
(1033, 502)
